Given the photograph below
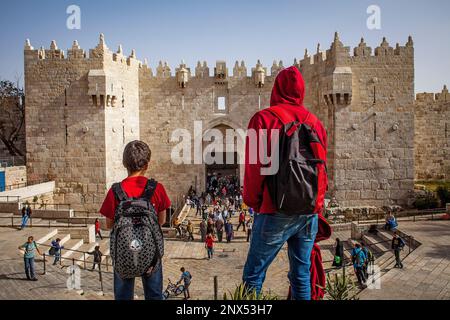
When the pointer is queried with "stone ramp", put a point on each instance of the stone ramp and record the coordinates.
(426, 272)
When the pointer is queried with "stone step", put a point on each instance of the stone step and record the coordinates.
(52, 233)
(373, 242)
(385, 235)
(72, 244)
(104, 248)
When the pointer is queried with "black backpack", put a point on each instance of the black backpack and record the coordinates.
(136, 239)
(300, 184)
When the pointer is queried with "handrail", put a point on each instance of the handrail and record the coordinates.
(10, 197)
(23, 184)
(72, 250)
(44, 206)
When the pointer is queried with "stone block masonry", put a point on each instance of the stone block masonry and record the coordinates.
(82, 110)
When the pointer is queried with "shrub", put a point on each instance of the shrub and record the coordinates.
(341, 288)
(427, 201)
(443, 195)
(242, 293)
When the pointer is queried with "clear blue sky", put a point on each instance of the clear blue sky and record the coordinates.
(232, 30)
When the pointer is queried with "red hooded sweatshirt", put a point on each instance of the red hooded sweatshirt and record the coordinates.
(288, 92)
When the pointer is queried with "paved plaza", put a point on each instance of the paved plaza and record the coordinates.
(426, 274)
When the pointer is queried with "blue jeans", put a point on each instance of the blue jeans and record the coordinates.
(270, 232)
(29, 268)
(57, 258)
(24, 221)
(153, 286)
(210, 252)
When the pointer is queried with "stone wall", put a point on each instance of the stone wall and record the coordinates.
(73, 106)
(432, 136)
(83, 110)
(165, 107)
(366, 103)
(15, 176)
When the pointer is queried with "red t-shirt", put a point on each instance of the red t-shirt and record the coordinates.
(209, 242)
(134, 187)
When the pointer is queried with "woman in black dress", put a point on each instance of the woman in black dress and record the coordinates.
(339, 254)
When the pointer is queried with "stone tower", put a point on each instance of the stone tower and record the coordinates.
(80, 113)
(366, 102)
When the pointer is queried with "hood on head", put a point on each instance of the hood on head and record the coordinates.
(289, 88)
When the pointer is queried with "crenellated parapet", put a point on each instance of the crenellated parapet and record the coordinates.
(276, 68)
(100, 53)
(442, 96)
(202, 70)
(339, 53)
(240, 71)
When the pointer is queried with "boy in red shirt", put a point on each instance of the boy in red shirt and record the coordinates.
(209, 245)
(136, 158)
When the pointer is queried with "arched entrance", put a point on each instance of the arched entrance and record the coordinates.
(224, 163)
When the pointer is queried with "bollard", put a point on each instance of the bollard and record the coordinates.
(100, 276)
(45, 266)
(216, 288)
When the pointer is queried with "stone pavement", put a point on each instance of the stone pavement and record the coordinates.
(227, 264)
(426, 273)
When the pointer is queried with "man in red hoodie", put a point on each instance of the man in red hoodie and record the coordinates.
(271, 229)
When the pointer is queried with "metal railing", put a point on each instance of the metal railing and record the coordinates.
(16, 221)
(403, 216)
(49, 206)
(83, 262)
(8, 198)
(23, 185)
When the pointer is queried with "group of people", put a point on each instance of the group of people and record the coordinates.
(218, 185)
(30, 247)
(362, 257)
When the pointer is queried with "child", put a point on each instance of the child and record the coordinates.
(209, 245)
(56, 250)
(136, 158)
(97, 229)
(97, 257)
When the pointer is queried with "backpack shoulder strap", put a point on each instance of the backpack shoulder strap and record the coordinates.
(119, 194)
(149, 190)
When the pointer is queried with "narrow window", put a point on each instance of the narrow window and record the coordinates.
(375, 131)
(374, 95)
(221, 104)
(67, 135)
(65, 97)
(123, 134)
